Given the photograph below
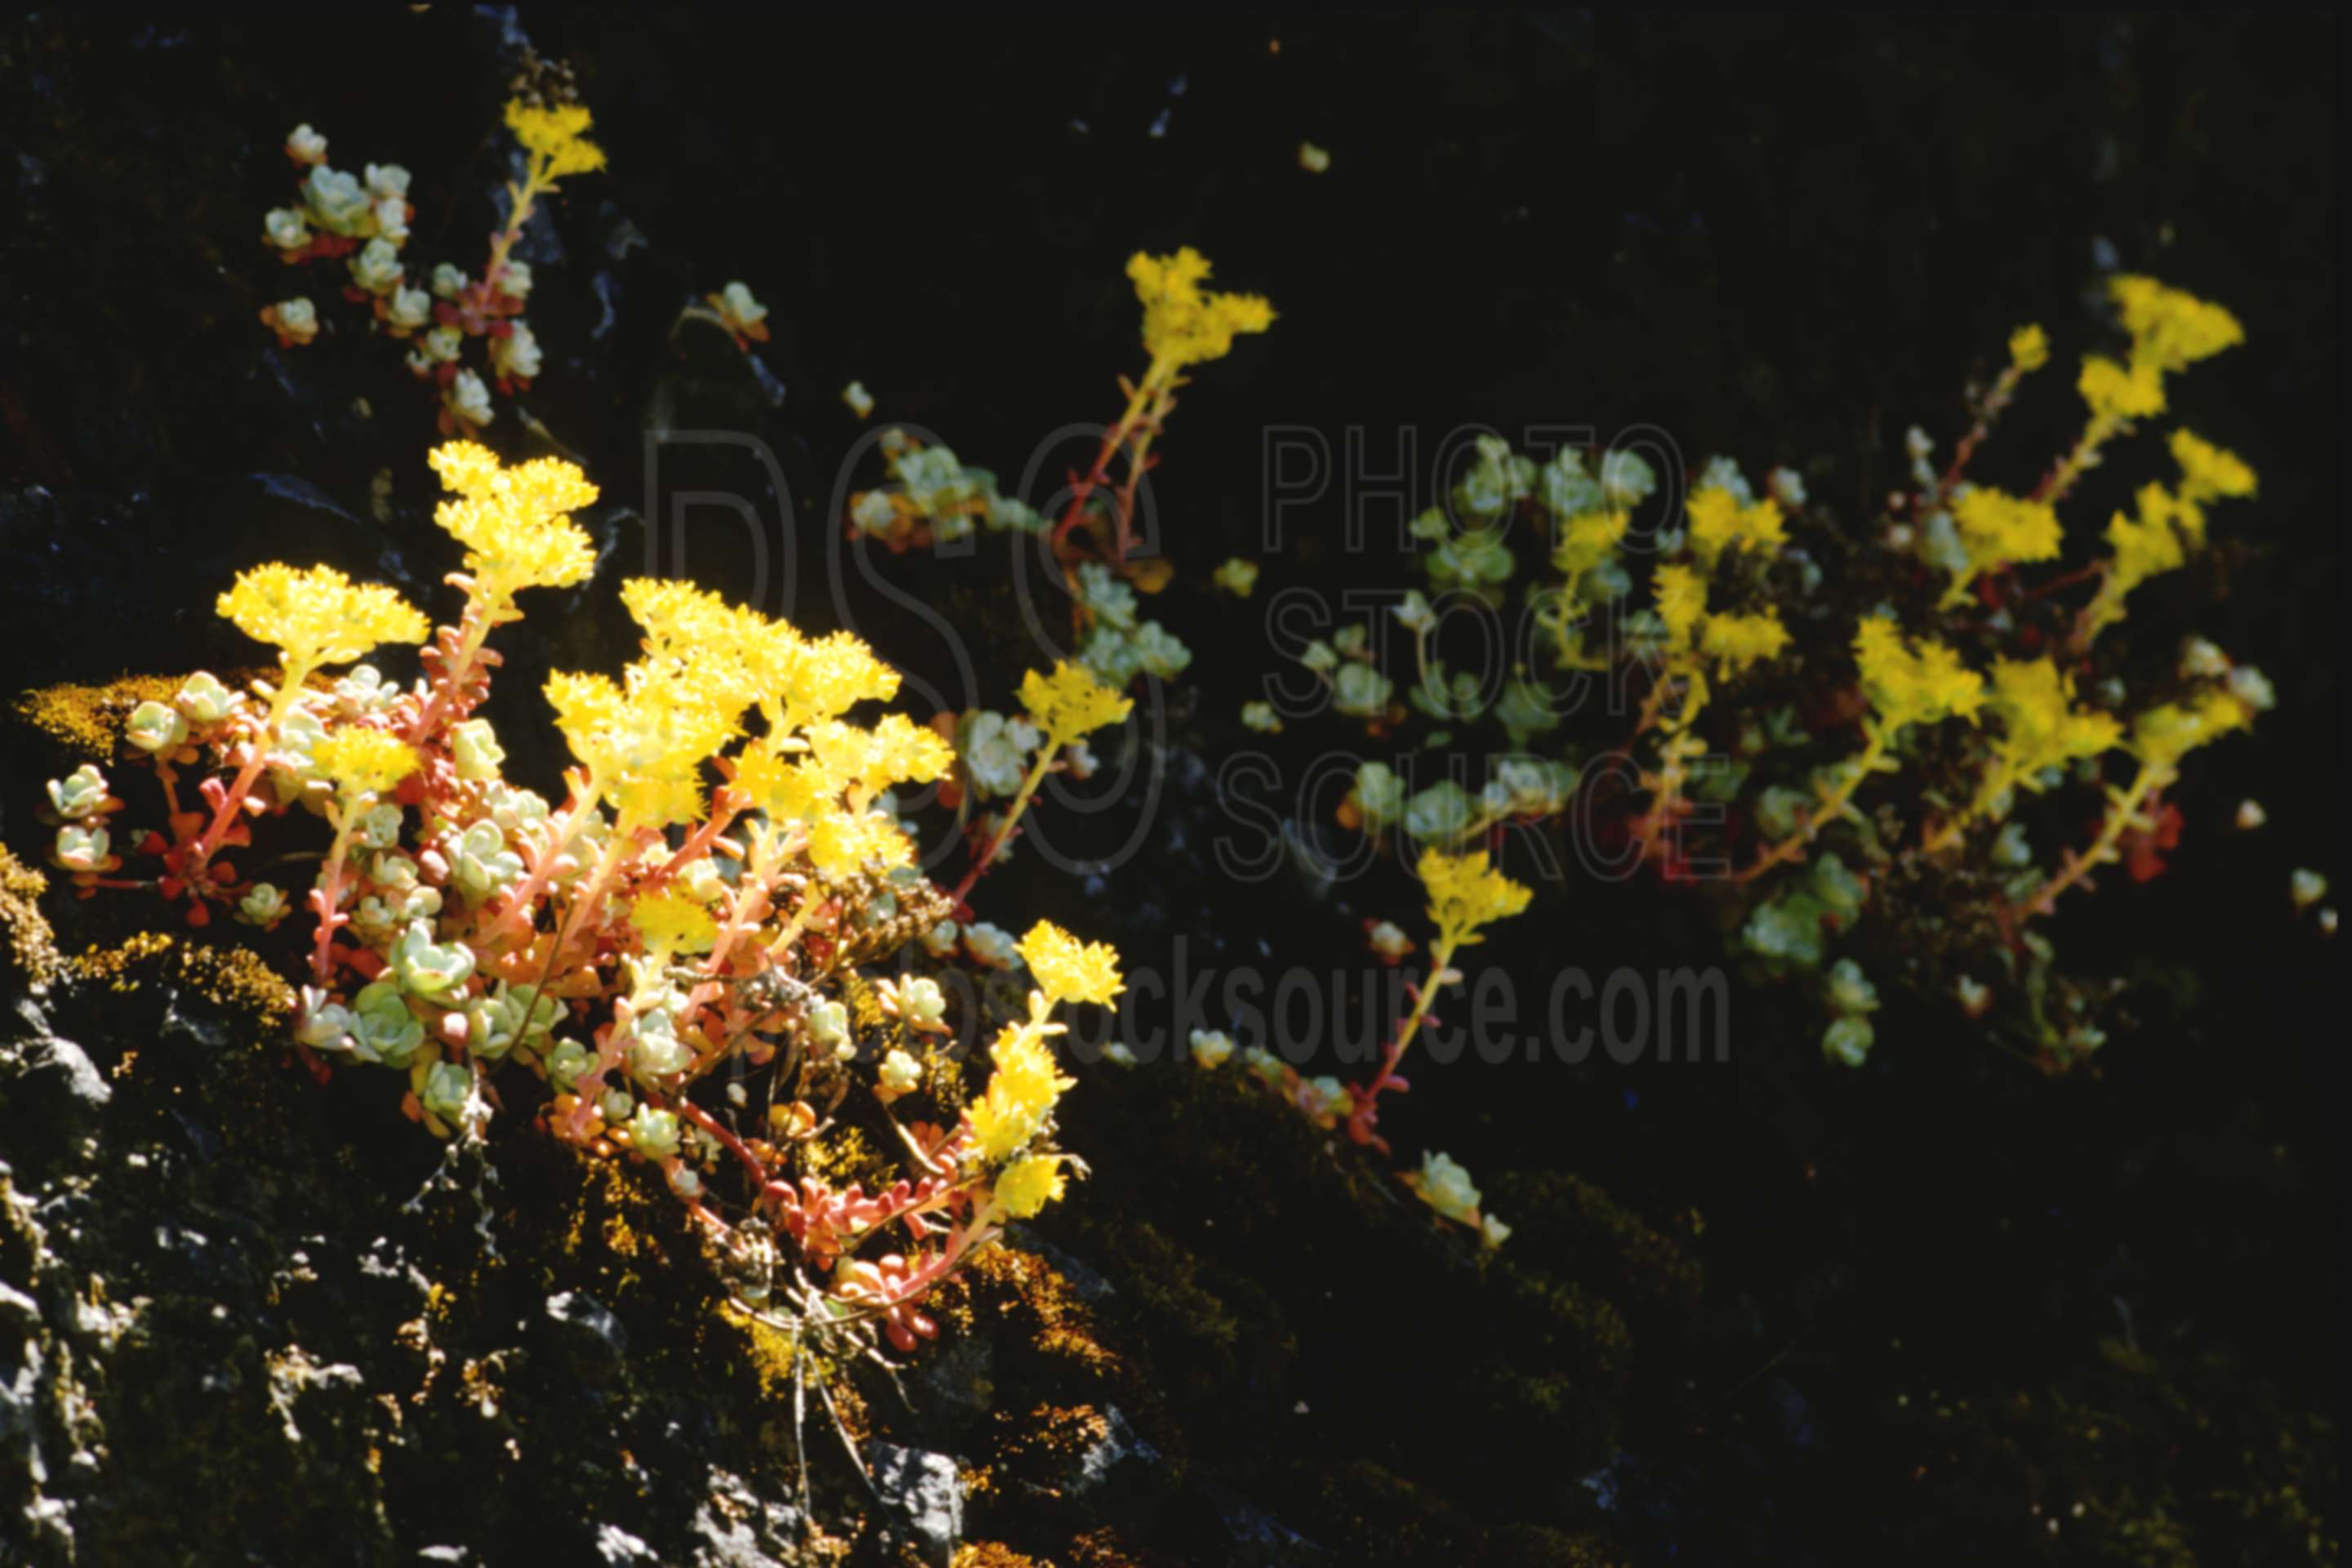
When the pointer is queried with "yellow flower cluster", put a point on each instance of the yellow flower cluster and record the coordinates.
(556, 137)
(670, 922)
(1466, 893)
(362, 761)
(692, 635)
(643, 742)
(2029, 348)
(1067, 969)
(1718, 523)
(513, 521)
(1021, 1093)
(1589, 540)
(838, 774)
(2170, 524)
(1183, 323)
(2171, 329)
(1680, 595)
(2164, 734)
(1997, 529)
(2116, 393)
(824, 680)
(317, 617)
(2040, 728)
(867, 762)
(1028, 1185)
(2155, 541)
(1736, 642)
(1070, 703)
(1913, 683)
(2208, 472)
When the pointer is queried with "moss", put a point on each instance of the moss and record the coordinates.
(769, 1351)
(28, 947)
(990, 1554)
(234, 979)
(1043, 1447)
(88, 721)
(237, 978)
(1566, 1225)
(1205, 1328)
(846, 1157)
(1037, 1302)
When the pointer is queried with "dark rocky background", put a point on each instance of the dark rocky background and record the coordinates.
(1944, 1310)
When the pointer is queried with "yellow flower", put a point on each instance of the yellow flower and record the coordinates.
(863, 763)
(318, 617)
(1680, 596)
(2164, 734)
(1736, 642)
(2039, 728)
(785, 790)
(513, 521)
(556, 136)
(2116, 393)
(1070, 703)
(643, 745)
(693, 635)
(2029, 348)
(1028, 1185)
(1718, 523)
(1998, 530)
(1589, 540)
(2208, 472)
(1917, 683)
(829, 677)
(1182, 323)
(362, 761)
(2170, 328)
(467, 468)
(1068, 970)
(670, 922)
(2154, 542)
(1465, 893)
(843, 843)
(1021, 1093)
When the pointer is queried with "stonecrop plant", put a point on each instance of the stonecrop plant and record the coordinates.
(1865, 746)
(362, 222)
(664, 966)
(1467, 894)
(933, 496)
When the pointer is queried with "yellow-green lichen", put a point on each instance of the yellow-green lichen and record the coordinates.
(88, 719)
(233, 978)
(29, 948)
